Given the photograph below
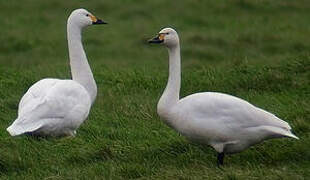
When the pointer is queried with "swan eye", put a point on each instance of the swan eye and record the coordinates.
(167, 33)
(87, 15)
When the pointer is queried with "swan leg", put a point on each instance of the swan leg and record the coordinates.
(220, 159)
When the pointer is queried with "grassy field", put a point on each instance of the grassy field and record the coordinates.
(258, 50)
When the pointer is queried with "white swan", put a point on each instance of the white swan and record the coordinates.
(54, 107)
(227, 123)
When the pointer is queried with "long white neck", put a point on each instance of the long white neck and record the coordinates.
(171, 93)
(80, 69)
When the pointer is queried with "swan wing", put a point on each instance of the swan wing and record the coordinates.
(39, 89)
(227, 118)
(54, 104)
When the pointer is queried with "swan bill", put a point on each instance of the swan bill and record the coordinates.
(99, 21)
(158, 39)
(96, 21)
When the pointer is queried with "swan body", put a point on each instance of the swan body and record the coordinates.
(54, 107)
(227, 123)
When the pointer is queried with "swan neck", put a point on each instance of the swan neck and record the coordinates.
(172, 91)
(80, 69)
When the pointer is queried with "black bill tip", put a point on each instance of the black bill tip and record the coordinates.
(99, 21)
(155, 40)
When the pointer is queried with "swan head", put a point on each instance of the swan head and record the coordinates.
(83, 18)
(167, 36)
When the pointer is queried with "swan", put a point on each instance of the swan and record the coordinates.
(55, 107)
(226, 123)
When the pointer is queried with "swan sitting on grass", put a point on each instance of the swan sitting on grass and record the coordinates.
(227, 123)
(54, 107)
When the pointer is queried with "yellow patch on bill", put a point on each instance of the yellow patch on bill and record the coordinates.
(161, 37)
(93, 18)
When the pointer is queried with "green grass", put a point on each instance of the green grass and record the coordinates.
(258, 50)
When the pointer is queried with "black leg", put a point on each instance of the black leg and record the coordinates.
(220, 159)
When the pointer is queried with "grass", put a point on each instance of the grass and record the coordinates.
(257, 50)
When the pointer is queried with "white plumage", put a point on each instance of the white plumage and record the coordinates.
(54, 107)
(227, 123)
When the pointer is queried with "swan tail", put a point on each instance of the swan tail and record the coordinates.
(287, 130)
(291, 135)
(279, 132)
(277, 127)
(17, 128)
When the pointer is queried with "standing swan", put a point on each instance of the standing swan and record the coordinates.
(54, 107)
(227, 123)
